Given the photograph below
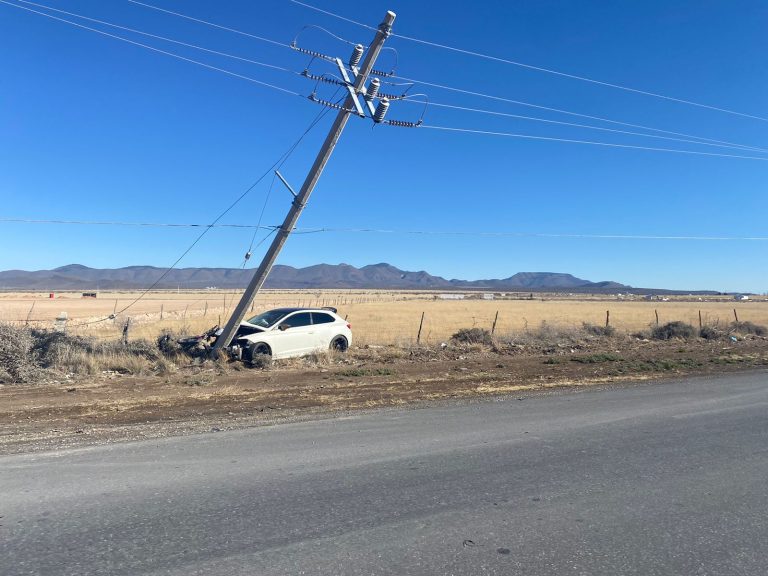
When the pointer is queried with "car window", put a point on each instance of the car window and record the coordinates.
(320, 318)
(267, 319)
(300, 319)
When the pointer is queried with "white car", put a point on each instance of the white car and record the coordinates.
(289, 332)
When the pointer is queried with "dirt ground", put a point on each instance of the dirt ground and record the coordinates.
(213, 397)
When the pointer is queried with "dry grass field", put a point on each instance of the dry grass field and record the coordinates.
(377, 317)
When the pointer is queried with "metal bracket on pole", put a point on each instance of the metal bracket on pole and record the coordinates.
(351, 90)
(283, 180)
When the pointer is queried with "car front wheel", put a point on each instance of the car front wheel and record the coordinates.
(258, 355)
(339, 344)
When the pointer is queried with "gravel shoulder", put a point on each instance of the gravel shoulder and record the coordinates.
(114, 407)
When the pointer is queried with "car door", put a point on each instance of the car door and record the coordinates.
(296, 335)
(325, 329)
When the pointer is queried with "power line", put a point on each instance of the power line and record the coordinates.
(156, 36)
(587, 126)
(542, 69)
(262, 38)
(248, 78)
(568, 112)
(469, 233)
(213, 224)
(534, 234)
(136, 224)
(470, 92)
(590, 142)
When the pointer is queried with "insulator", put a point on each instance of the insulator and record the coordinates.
(373, 89)
(248, 255)
(308, 74)
(391, 96)
(380, 73)
(403, 123)
(330, 104)
(313, 53)
(381, 110)
(357, 54)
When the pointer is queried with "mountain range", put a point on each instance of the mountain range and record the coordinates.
(320, 276)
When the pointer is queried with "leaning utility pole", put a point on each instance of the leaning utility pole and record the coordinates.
(351, 105)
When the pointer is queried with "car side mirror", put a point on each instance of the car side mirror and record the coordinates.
(283, 327)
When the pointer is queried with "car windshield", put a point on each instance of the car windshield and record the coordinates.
(267, 319)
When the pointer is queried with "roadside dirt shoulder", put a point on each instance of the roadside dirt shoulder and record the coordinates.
(209, 398)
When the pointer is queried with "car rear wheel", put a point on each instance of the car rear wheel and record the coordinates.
(258, 355)
(339, 344)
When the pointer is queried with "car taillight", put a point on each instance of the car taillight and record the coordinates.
(349, 326)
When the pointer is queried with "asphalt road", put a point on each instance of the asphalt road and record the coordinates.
(650, 480)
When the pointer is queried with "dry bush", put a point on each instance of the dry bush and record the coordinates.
(596, 330)
(17, 358)
(25, 354)
(748, 328)
(547, 336)
(711, 333)
(473, 336)
(671, 330)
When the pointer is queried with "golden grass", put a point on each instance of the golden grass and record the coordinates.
(377, 317)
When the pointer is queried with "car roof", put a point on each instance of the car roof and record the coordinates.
(290, 310)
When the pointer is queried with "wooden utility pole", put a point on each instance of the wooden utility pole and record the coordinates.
(351, 105)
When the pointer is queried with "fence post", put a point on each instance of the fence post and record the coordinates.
(184, 316)
(206, 309)
(126, 329)
(607, 318)
(700, 326)
(161, 311)
(493, 328)
(657, 316)
(735, 315)
(29, 314)
(421, 323)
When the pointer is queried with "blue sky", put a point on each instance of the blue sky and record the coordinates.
(96, 129)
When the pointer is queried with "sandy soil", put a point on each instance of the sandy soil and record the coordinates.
(209, 398)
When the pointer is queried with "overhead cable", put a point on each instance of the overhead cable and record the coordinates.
(152, 48)
(467, 92)
(587, 126)
(213, 224)
(165, 39)
(542, 69)
(470, 233)
(568, 112)
(533, 234)
(124, 223)
(262, 38)
(589, 142)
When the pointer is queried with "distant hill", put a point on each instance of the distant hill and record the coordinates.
(320, 276)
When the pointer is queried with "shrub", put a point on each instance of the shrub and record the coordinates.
(17, 358)
(710, 333)
(598, 330)
(748, 328)
(671, 330)
(473, 336)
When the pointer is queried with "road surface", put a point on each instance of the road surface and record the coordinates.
(654, 479)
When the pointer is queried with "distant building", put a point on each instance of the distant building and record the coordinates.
(451, 296)
(740, 297)
(487, 296)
